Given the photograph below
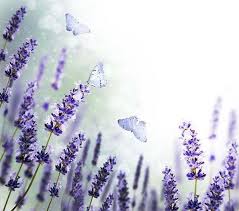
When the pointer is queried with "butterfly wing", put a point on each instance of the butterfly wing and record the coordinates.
(70, 22)
(80, 29)
(97, 77)
(140, 131)
(128, 123)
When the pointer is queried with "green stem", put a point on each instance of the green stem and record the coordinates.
(2, 155)
(195, 188)
(10, 191)
(33, 177)
(88, 208)
(57, 180)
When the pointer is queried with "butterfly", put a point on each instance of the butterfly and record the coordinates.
(132, 124)
(73, 25)
(97, 76)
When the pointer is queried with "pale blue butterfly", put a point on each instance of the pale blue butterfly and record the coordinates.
(73, 25)
(97, 76)
(132, 124)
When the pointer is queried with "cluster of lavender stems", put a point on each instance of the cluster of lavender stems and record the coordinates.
(80, 184)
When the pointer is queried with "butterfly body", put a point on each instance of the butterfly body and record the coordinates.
(134, 125)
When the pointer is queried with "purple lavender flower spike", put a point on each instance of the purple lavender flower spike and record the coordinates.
(102, 177)
(14, 182)
(214, 196)
(123, 193)
(46, 176)
(3, 54)
(54, 190)
(42, 156)
(230, 167)
(215, 118)
(232, 127)
(97, 149)
(4, 95)
(59, 70)
(69, 154)
(14, 24)
(41, 69)
(170, 190)
(85, 152)
(192, 152)
(66, 110)
(146, 181)
(27, 141)
(6, 165)
(137, 172)
(19, 60)
(107, 203)
(230, 206)
(27, 104)
(193, 203)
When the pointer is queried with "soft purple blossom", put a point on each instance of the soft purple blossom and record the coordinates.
(154, 201)
(41, 69)
(146, 181)
(102, 177)
(67, 109)
(14, 24)
(232, 127)
(3, 54)
(107, 203)
(27, 104)
(54, 190)
(45, 106)
(97, 149)
(14, 182)
(170, 190)
(59, 70)
(45, 180)
(193, 203)
(4, 95)
(123, 193)
(192, 152)
(214, 196)
(42, 156)
(69, 154)
(19, 60)
(85, 152)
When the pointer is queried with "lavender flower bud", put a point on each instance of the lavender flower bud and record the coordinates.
(143, 202)
(214, 196)
(192, 152)
(6, 164)
(19, 60)
(45, 106)
(107, 203)
(123, 193)
(85, 152)
(59, 70)
(193, 204)
(69, 154)
(14, 24)
(27, 104)
(14, 182)
(170, 190)
(46, 176)
(97, 149)
(4, 96)
(232, 127)
(137, 172)
(54, 190)
(27, 141)
(66, 110)
(146, 180)
(3, 54)
(101, 177)
(42, 156)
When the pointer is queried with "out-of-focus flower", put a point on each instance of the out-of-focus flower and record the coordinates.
(232, 127)
(97, 149)
(85, 152)
(154, 201)
(41, 69)
(14, 24)
(59, 70)
(192, 152)
(170, 190)
(123, 193)
(138, 172)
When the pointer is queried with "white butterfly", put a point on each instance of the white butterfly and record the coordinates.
(132, 124)
(97, 76)
(73, 25)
